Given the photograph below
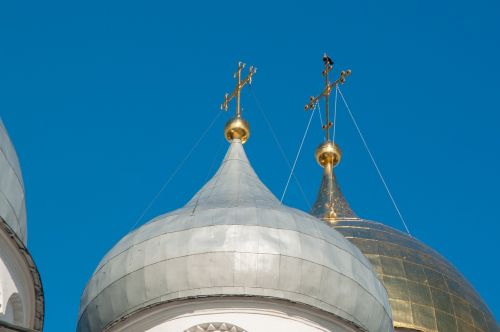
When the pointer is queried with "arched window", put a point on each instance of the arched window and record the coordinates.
(15, 310)
(215, 327)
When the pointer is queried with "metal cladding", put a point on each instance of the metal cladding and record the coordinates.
(425, 291)
(234, 238)
(330, 204)
(12, 202)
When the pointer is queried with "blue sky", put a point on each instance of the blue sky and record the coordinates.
(104, 99)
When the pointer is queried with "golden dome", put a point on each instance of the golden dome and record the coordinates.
(425, 291)
(237, 128)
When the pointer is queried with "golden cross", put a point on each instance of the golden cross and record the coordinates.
(237, 90)
(327, 91)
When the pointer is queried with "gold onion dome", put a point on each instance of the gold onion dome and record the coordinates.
(426, 292)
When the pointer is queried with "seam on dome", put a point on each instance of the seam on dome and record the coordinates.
(449, 265)
(386, 241)
(244, 252)
(246, 161)
(474, 292)
(182, 211)
(402, 237)
(13, 210)
(218, 225)
(396, 232)
(388, 314)
(414, 263)
(223, 165)
(18, 176)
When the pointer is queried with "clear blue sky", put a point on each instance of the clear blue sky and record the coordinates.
(104, 99)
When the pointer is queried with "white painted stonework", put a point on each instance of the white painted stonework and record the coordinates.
(232, 315)
(16, 286)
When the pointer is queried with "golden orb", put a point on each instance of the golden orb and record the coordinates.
(328, 153)
(237, 128)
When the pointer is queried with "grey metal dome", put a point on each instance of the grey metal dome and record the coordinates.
(234, 238)
(12, 202)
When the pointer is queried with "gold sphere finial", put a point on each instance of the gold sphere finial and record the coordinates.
(237, 128)
(328, 153)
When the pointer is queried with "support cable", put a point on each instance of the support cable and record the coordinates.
(321, 119)
(298, 154)
(320, 116)
(278, 144)
(214, 161)
(335, 116)
(373, 161)
(177, 169)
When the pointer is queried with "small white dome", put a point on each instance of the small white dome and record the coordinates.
(234, 238)
(12, 202)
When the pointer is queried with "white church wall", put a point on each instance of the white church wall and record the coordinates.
(7, 289)
(16, 285)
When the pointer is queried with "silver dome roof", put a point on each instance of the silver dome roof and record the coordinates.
(12, 202)
(234, 238)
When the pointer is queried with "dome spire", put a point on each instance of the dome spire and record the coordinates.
(237, 127)
(330, 204)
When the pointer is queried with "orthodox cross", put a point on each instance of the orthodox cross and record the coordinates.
(237, 90)
(328, 62)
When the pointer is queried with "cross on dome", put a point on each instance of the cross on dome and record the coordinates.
(237, 127)
(328, 62)
(237, 90)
